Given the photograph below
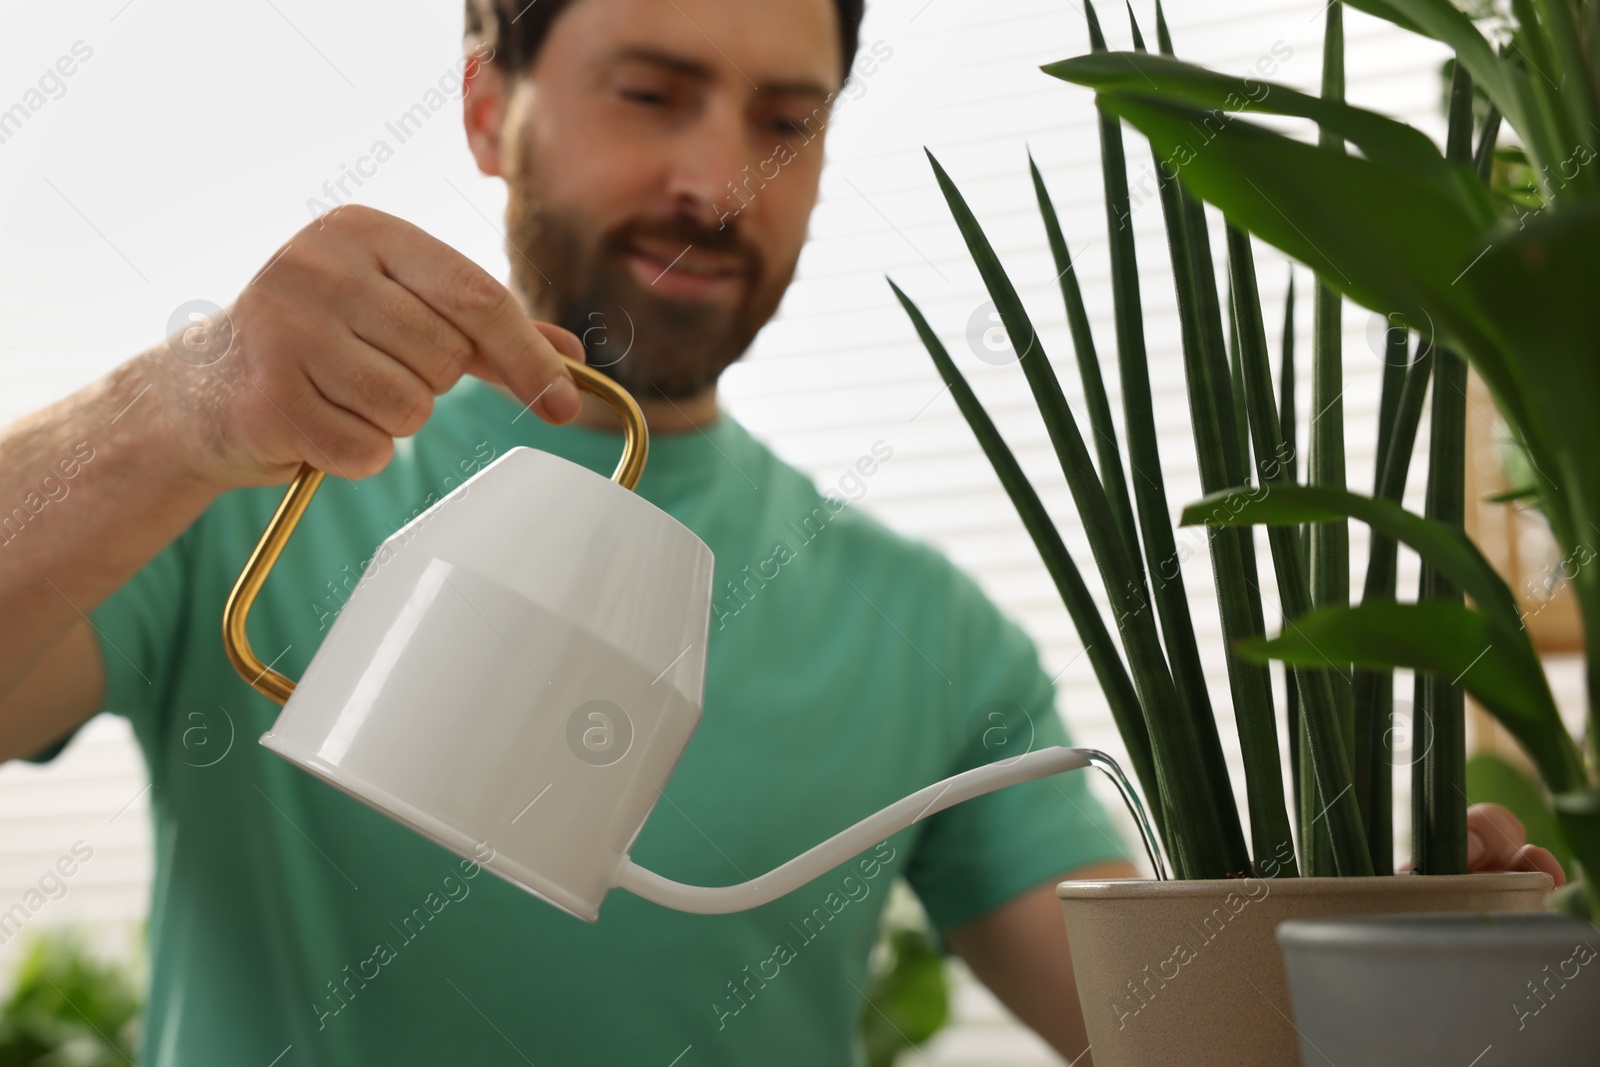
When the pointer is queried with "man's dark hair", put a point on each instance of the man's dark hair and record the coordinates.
(516, 28)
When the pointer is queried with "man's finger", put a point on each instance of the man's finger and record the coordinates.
(397, 322)
(566, 341)
(1534, 858)
(522, 356)
(1493, 837)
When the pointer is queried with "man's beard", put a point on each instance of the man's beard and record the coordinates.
(569, 273)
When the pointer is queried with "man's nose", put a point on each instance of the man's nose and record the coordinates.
(707, 164)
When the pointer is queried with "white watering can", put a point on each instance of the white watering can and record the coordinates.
(520, 668)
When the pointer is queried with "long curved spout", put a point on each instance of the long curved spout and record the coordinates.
(719, 900)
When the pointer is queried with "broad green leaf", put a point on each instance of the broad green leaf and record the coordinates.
(1217, 95)
(1443, 21)
(1387, 240)
(1447, 639)
(1578, 815)
(1285, 504)
(1536, 286)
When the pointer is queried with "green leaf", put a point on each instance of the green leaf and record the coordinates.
(1098, 645)
(1328, 543)
(1217, 442)
(1533, 285)
(1383, 237)
(1101, 424)
(1560, 102)
(1203, 820)
(1450, 640)
(1513, 496)
(1326, 762)
(1161, 557)
(1443, 21)
(1373, 691)
(1214, 96)
(1450, 550)
(1578, 816)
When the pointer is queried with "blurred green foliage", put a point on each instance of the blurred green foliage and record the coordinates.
(908, 1000)
(69, 1007)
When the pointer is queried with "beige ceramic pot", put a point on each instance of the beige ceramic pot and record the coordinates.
(1188, 972)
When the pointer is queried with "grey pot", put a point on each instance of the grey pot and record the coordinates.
(1468, 990)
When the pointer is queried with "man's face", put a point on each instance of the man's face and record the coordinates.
(662, 162)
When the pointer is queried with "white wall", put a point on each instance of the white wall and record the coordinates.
(183, 152)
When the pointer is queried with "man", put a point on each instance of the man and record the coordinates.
(846, 667)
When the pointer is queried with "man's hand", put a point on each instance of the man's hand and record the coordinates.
(1497, 841)
(342, 342)
(339, 345)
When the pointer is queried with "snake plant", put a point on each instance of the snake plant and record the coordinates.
(1410, 231)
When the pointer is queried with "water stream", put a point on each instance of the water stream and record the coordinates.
(1152, 847)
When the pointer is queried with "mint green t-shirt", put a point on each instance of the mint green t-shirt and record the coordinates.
(847, 667)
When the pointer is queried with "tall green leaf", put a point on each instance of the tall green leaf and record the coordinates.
(1163, 560)
(1438, 779)
(1329, 542)
(1101, 424)
(1098, 645)
(1204, 824)
(1287, 423)
(1400, 412)
(1327, 762)
(1216, 438)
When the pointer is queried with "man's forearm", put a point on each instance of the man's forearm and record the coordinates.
(91, 488)
(1020, 951)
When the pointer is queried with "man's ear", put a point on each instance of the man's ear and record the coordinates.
(485, 89)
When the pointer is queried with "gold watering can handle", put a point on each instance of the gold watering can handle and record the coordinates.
(262, 678)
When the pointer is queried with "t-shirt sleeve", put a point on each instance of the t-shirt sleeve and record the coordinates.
(975, 856)
(138, 630)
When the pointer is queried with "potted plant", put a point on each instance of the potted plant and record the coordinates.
(1187, 971)
(1500, 285)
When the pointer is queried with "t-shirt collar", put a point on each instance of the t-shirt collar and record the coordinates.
(689, 456)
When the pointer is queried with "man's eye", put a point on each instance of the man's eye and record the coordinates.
(788, 127)
(648, 97)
